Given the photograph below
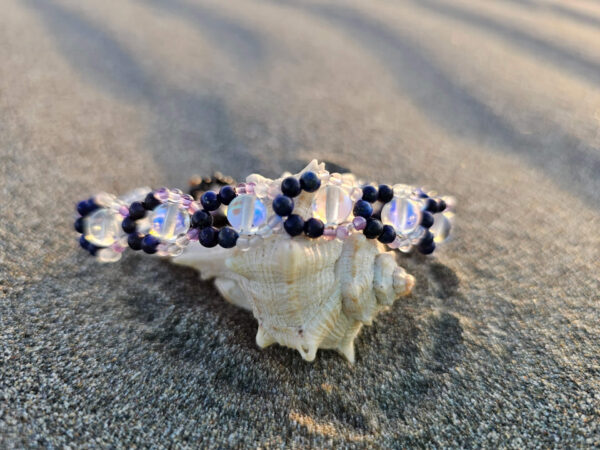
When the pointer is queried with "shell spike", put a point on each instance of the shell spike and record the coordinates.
(263, 339)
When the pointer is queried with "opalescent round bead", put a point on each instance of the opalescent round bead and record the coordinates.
(332, 205)
(442, 224)
(101, 227)
(401, 213)
(246, 213)
(168, 222)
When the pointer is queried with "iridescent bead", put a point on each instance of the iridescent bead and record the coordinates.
(192, 234)
(102, 227)
(274, 222)
(332, 205)
(359, 223)
(108, 255)
(117, 247)
(174, 250)
(401, 213)
(329, 233)
(356, 194)
(250, 188)
(174, 196)
(442, 224)
(246, 213)
(182, 240)
(169, 221)
(104, 199)
(124, 211)
(162, 194)
(342, 232)
(243, 243)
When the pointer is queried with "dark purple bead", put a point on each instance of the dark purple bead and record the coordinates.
(128, 225)
(78, 225)
(201, 219)
(134, 240)
(149, 244)
(426, 248)
(441, 206)
(363, 208)
(373, 228)
(85, 207)
(313, 228)
(208, 237)
(430, 205)
(309, 181)
(370, 194)
(388, 235)
(83, 242)
(426, 219)
(283, 205)
(294, 225)
(385, 194)
(427, 238)
(150, 202)
(210, 201)
(136, 211)
(290, 186)
(226, 195)
(227, 237)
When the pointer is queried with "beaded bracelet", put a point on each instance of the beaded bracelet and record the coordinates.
(316, 204)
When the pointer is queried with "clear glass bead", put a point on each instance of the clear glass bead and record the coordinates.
(246, 213)
(243, 243)
(356, 194)
(104, 199)
(332, 205)
(401, 213)
(102, 227)
(442, 224)
(168, 222)
(174, 250)
(108, 255)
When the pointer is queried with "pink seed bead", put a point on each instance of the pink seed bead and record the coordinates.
(194, 206)
(329, 233)
(192, 234)
(124, 211)
(162, 194)
(240, 190)
(342, 232)
(250, 188)
(117, 247)
(359, 223)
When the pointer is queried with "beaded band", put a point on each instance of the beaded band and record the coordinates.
(331, 206)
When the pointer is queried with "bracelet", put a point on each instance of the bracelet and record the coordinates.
(316, 204)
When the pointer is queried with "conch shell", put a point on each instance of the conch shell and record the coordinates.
(305, 293)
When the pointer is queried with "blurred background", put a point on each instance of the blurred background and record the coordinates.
(494, 102)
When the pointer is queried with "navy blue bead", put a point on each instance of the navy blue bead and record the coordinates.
(134, 240)
(388, 234)
(150, 202)
(78, 225)
(128, 225)
(290, 186)
(313, 228)
(84, 243)
(228, 237)
(363, 208)
(426, 219)
(85, 207)
(210, 201)
(294, 225)
(386, 193)
(421, 193)
(370, 194)
(426, 248)
(91, 205)
(136, 211)
(427, 238)
(208, 237)
(283, 205)
(430, 205)
(373, 228)
(441, 206)
(310, 182)
(201, 219)
(149, 244)
(226, 195)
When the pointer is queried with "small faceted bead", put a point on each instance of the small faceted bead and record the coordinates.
(313, 228)
(370, 194)
(208, 237)
(283, 205)
(290, 186)
(430, 205)
(226, 195)
(294, 225)
(136, 211)
(441, 206)
(78, 225)
(310, 182)
(201, 219)
(426, 219)
(150, 202)
(388, 235)
(330, 234)
(359, 223)
(134, 240)
(363, 208)
(373, 229)
(386, 193)
(210, 201)
(149, 244)
(128, 225)
(228, 237)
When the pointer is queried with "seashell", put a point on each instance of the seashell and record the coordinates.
(306, 294)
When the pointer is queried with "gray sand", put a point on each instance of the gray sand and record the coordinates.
(497, 103)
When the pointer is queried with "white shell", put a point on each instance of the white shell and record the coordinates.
(305, 293)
